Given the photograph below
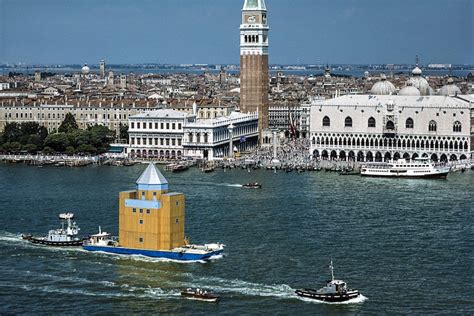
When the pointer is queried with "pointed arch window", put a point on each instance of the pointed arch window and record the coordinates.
(457, 127)
(348, 122)
(326, 121)
(371, 122)
(409, 123)
(432, 126)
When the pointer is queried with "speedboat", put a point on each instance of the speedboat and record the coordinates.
(252, 185)
(200, 294)
(334, 291)
(66, 236)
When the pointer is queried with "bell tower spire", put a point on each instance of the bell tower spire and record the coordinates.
(254, 61)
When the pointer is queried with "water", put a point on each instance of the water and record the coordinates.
(406, 244)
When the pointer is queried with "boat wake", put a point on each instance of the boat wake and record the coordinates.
(358, 300)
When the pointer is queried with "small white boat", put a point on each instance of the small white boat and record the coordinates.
(200, 295)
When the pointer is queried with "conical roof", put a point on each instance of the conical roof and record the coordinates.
(254, 5)
(152, 176)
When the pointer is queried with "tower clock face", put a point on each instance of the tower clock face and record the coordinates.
(251, 19)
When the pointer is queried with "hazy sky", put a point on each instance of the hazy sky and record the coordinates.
(207, 31)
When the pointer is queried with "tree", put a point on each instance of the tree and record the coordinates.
(69, 124)
(124, 131)
(31, 148)
(59, 142)
(11, 132)
(70, 150)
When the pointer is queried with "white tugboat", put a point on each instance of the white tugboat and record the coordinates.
(334, 291)
(418, 168)
(66, 236)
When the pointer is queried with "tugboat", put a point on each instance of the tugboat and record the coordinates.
(200, 294)
(252, 185)
(334, 291)
(61, 237)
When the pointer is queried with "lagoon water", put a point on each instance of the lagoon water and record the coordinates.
(406, 244)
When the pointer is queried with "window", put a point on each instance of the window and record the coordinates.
(156, 125)
(348, 122)
(162, 125)
(390, 125)
(409, 123)
(432, 126)
(134, 210)
(141, 210)
(150, 125)
(154, 193)
(326, 121)
(177, 203)
(173, 126)
(138, 125)
(140, 239)
(148, 211)
(371, 122)
(457, 126)
(140, 221)
(179, 125)
(167, 125)
(177, 221)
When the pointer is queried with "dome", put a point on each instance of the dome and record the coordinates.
(85, 70)
(449, 89)
(383, 87)
(419, 82)
(416, 71)
(409, 90)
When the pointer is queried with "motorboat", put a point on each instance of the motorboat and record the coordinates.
(66, 236)
(334, 291)
(252, 185)
(200, 294)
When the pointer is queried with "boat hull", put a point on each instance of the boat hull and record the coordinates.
(182, 256)
(204, 298)
(336, 297)
(41, 241)
(441, 175)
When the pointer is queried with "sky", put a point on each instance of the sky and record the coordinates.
(207, 31)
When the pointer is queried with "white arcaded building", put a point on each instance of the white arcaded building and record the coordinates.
(210, 138)
(384, 127)
(171, 134)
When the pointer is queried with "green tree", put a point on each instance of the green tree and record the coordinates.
(70, 150)
(31, 148)
(69, 124)
(48, 150)
(11, 133)
(58, 142)
(124, 131)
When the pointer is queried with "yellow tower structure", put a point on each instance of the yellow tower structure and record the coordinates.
(150, 217)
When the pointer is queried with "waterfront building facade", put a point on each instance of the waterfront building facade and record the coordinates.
(385, 127)
(210, 138)
(254, 79)
(150, 217)
(158, 133)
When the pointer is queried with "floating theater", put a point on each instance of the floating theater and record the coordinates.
(151, 223)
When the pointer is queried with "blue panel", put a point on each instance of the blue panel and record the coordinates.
(142, 204)
(153, 253)
(152, 187)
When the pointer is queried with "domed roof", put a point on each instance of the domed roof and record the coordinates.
(383, 87)
(419, 82)
(85, 70)
(449, 89)
(416, 71)
(409, 90)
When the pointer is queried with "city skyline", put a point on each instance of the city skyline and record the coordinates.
(303, 31)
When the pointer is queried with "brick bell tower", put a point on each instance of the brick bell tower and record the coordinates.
(254, 61)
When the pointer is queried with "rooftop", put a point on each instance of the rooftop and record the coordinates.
(399, 100)
(151, 175)
(254, 5)
(161, 113)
